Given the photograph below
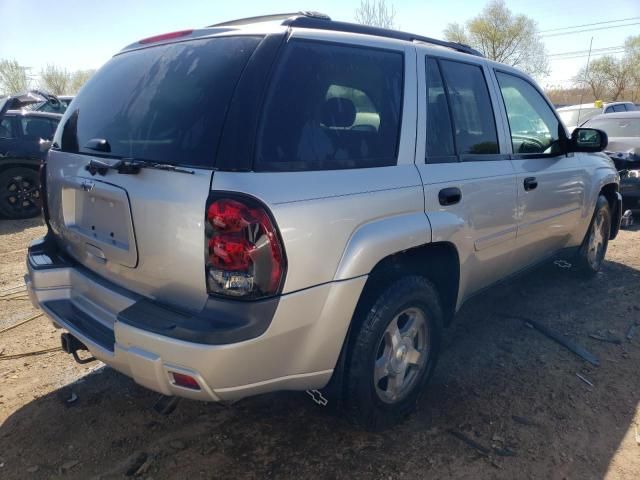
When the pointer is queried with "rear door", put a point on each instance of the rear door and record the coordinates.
(469, 182)
(165, 104)
(550, 183)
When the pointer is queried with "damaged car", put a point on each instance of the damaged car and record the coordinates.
(25, 138)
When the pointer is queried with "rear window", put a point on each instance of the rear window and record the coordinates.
(475, 127)
(617, 127)
(332, 107)
(574, 117)
(164, 104)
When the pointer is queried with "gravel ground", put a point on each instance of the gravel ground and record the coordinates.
(500, 384)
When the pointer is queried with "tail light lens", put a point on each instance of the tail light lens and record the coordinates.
(245, 257)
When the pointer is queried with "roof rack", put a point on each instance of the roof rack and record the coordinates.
(271, 18)
(302, 21)
(321, 21)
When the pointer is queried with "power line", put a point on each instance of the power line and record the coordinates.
(590, 30)
(589, 24)
(577, 52)
(585, 55)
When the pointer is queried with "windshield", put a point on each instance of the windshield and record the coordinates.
(617, 127)
(165, 104)
(571, 118)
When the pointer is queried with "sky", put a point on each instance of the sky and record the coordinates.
(83, 34)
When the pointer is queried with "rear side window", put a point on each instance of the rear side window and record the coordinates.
(6, 127)
(331, 107)
(474, 123)
(36, 128)
(440, 145)
(164, 104)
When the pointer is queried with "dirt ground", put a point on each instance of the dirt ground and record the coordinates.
(500, 383)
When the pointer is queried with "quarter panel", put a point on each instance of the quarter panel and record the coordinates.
(318, 214)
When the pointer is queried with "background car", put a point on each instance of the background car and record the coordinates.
(623, 130)
(25, 137)
(575, 115)
(52, 103)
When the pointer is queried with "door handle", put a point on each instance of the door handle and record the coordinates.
(530, 183)
(449, 196)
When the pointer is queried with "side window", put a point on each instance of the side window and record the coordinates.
(534, 127)
(608, 110)
(440, 145)
(619, 108)
(473, 120)
(332, 107)
(36, 128)
(6, 127)
(53, 124)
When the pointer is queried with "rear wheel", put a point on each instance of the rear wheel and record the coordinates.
(596, 241)
(19, 193)
(394, 353)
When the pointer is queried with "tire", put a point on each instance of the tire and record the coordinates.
(19, 193)
(393, 353)
(595, 243)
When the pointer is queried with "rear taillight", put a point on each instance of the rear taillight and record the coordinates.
(245, 257)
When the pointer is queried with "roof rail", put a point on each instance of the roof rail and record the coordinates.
(272, 18)
(303, 21)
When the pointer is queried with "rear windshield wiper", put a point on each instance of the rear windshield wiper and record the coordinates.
(130, 166)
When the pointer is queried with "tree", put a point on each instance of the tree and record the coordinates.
(376, 13)
(13, 77)
(504, 37)
(55, 80)
(78, 79)
(454, 32)
(595, 78)
(632, 56)
(611, 78)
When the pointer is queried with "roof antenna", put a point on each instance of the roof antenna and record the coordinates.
(586, 73)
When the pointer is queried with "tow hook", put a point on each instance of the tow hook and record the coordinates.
(71, 345)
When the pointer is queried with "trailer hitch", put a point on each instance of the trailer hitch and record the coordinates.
(72, 345)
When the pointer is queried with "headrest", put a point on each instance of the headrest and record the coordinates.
(338, 112)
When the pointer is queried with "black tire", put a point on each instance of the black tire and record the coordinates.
(19, 193)
(596, 240)
(367, 401)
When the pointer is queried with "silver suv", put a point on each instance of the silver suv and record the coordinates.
(293, 203)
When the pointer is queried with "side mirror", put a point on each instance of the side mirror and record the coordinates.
(588, 140)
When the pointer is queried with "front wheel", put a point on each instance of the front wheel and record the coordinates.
(594, 246)
(19, 193)
(394, 353)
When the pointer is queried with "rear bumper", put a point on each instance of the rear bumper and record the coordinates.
(297, 351)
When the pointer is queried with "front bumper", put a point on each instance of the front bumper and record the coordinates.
(298, 350)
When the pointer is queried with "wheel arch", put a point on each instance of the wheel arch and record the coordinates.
(19, 163)
(438, 262)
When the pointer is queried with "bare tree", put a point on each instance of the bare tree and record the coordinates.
(594, 78)
(55, 80)
(504, 37)
(376, 13)
(13, 77)
(454, 32)
(632, 57)
(78, 79)
(609, 78)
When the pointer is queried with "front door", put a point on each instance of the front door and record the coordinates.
(550, 183)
